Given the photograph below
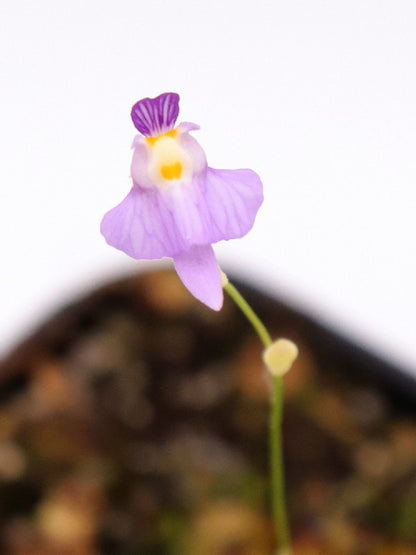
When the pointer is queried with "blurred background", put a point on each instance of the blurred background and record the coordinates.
(317, 97)
(132, 418)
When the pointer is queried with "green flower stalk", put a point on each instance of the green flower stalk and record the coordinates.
(278, 357)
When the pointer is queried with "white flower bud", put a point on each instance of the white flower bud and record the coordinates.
(280, 356)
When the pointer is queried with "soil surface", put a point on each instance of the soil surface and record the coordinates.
(135, 421)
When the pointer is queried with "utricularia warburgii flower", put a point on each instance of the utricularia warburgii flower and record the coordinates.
(178, 206)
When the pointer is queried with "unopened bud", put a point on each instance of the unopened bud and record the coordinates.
(280, 356)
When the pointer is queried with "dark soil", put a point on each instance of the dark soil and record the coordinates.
(135, 422)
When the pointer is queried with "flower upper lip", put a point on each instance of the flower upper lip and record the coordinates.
(156, 116)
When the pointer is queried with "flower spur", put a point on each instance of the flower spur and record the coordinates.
(178, 206)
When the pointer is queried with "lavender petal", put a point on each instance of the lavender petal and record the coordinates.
(199, 272)
(143, 226)
(219, 204)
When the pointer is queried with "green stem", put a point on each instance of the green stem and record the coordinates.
(276, 452)
(277, 469)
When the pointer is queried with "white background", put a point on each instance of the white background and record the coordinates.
(317, 96)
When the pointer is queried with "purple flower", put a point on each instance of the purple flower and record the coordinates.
(178, 206)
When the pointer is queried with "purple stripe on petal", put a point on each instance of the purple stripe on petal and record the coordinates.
(155, 116)
(199, 272)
